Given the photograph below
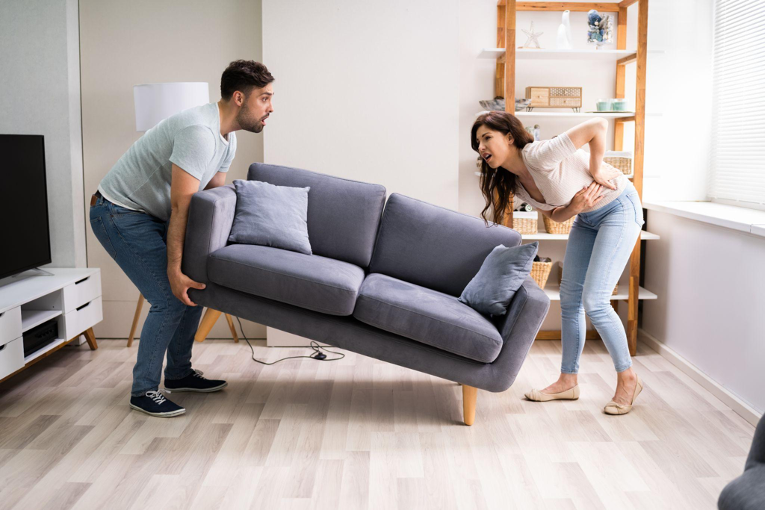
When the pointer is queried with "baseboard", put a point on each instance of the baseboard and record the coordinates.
(735, 403)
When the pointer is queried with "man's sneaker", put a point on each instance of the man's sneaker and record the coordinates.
(194, 382)
(154, 403)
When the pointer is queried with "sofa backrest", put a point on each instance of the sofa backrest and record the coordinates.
(343, 215)
(434, 247)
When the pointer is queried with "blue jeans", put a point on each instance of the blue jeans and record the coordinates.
(138, 243)
(600, 244)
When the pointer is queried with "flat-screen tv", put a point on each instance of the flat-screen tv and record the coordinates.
(25, 239)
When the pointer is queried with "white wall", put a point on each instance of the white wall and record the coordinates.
(141, 41)
(710, 285)
(39, 94)
(478, 27)
(367, 91)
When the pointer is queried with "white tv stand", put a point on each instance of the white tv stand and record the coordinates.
(69, 294)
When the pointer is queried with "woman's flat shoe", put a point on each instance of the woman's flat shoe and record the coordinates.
(614, 408)
(570, 394)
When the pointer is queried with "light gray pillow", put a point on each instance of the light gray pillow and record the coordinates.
(500, 276)
(269, 215)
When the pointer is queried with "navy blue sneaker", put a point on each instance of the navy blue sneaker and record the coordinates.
(194, 382)
(154, 403)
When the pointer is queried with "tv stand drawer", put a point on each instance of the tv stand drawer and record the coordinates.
(11, 357)
(81, 318)
(10, 325)
(81, 292)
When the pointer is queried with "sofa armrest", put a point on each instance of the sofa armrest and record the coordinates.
(211, 215)
(755, 456)
(518, 328)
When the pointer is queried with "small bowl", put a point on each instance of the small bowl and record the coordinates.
(604, 105)
(619, 105)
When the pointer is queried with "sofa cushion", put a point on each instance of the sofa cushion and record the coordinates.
(269, 215)
(427, 316)
(431, 246)
(500, 276)
(343, 215)
(308, 281)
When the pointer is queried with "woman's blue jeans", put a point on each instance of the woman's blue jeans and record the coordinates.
(600, 244)
(138, 243)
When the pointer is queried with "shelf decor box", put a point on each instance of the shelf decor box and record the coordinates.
(555, 97)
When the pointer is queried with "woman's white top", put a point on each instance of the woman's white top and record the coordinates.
(560, 170)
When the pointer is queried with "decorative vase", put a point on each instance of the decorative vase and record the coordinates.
(564, 35)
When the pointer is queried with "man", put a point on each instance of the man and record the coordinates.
(139, 215)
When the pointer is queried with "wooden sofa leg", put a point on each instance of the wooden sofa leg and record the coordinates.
(469, 404)
(208, 321)
(232, 328)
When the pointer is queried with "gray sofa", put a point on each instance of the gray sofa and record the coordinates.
(746, 492)
(381, 282)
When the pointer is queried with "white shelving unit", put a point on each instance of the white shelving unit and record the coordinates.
(506, 57)
(71, 296)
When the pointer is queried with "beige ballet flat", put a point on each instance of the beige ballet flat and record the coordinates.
(538, 396)
(614, 408)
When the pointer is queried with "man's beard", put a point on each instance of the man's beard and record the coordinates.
(248, 123)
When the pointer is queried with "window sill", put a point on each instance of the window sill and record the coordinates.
(746, 220)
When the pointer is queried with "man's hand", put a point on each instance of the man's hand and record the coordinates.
(586, 197)
(605, 174)
(180, 283)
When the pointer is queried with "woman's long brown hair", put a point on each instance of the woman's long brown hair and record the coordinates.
(497, 184)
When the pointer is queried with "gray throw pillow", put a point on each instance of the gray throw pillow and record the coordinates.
(269, 215)
(500, 276)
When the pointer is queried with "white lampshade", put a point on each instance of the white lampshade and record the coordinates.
(157, 101)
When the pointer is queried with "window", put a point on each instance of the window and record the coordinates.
(737, 145)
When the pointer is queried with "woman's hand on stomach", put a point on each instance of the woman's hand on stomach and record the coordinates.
(586, 197)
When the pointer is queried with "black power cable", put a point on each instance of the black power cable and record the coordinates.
(318, 354)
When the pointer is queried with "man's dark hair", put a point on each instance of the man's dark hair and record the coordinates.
(244, 75)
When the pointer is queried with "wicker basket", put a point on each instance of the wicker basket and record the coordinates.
(554, 227)
(540, 272)
(561, 271)
(525, 222)
(622, 161)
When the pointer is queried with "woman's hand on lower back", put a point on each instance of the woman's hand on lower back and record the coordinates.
(605, 174)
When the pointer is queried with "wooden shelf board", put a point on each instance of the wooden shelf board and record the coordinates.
(552, 291)
(544, 236)
(551, 54)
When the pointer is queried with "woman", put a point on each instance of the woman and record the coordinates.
(561, 181)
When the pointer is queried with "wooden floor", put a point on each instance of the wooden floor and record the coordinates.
(358, 434)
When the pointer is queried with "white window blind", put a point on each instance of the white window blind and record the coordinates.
(739, 96)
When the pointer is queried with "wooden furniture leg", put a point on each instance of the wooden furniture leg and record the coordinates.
(209, 319)
(469, 404)
(139, 305)
(91, 338)
(232, 328)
